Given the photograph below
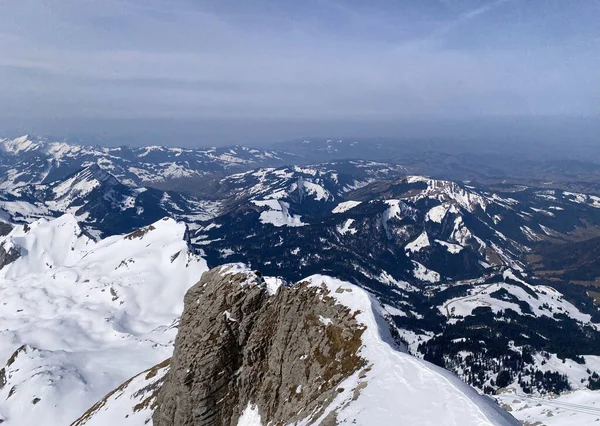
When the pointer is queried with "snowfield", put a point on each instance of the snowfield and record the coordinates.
(77, 318)
(345, 206)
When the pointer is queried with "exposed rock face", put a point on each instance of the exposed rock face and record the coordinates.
(238, 345)
(5, 228)
(8, 254)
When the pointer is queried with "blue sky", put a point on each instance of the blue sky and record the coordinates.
(298, 60)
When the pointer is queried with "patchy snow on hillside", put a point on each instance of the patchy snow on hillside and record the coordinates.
(579, 408)
(446, 191)
(438, 213)
(530, 234)
(452, 248)
(346, 227)
(424, 274)
(460, 233)
(541, 301)
(278, 213)
(314, 190)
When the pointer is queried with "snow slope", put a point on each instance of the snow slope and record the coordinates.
(579, 407)
(90, 315)
(399, 388)
(130, 404)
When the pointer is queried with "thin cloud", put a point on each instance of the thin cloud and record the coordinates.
(465, 17)
(156, 59)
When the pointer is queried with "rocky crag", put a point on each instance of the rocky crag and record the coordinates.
(251, 351)
(238, 345)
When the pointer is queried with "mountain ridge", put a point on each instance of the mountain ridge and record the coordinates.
(233, 302)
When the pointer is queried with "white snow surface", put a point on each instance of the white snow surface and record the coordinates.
(347, 227)
(452, 248)
(438, 213)
(419, 243)
(345, 206)
(92, 314)
(250, 416)
(316, 191)
(578, 408)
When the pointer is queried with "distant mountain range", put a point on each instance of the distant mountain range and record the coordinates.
(492, 279)
(25, 161)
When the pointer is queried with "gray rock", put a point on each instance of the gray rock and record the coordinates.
(5, 228)
(237, 345)
(8, 255)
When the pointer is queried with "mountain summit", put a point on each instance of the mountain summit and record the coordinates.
(251, 351)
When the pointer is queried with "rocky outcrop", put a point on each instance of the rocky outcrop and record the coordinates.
(5, 228)
(239, 346)
(8, 254)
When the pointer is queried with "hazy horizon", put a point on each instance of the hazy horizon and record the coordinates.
(542, 138)
(231, 72)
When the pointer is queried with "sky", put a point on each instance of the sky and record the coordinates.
(221, 71)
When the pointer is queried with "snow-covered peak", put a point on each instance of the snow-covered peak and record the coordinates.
(269, 183)
(48, 244)
(166, 229)
(84, 181)
(19, 145)
(450, 194)
(445, 191)
(321, 182)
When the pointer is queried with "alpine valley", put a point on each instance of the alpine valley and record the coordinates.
(243, 286)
